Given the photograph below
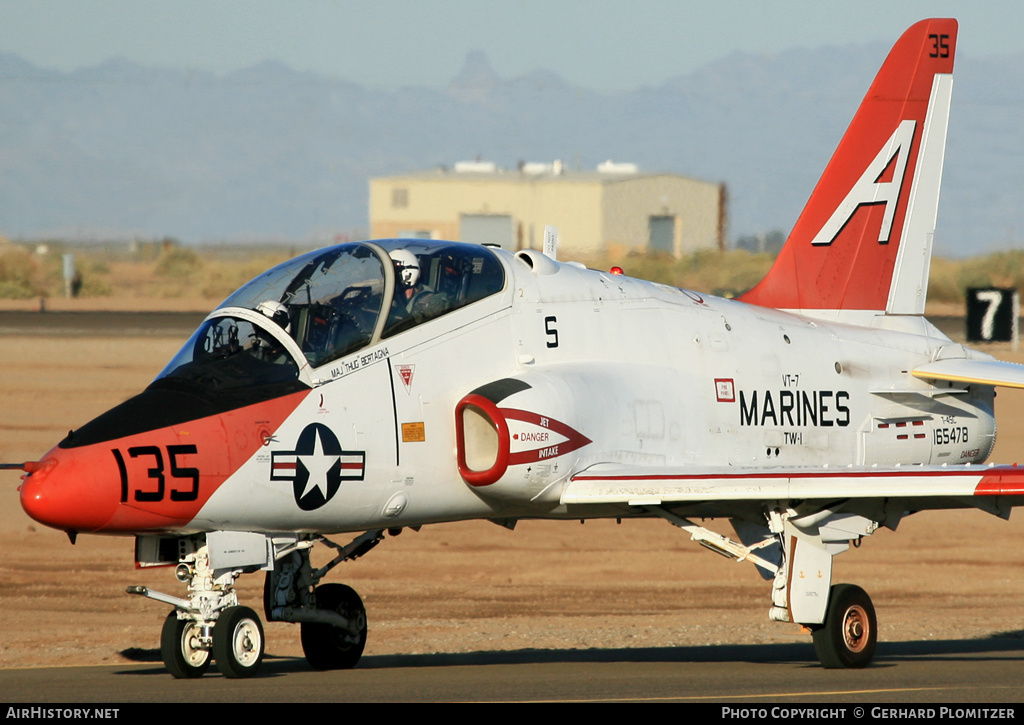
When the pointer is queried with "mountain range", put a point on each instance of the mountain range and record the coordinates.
(121, 150)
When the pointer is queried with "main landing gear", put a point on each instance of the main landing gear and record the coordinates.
(847, 637)
(795, 551)
(211, 626)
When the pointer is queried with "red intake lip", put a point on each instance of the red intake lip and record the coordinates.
(503, 457)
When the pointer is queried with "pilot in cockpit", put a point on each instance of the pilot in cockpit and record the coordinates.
(267, 347)
(276, 311)
(407, 276)
(414, 300)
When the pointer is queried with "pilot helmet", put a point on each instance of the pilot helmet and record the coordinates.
(406, 266)
(275, 311)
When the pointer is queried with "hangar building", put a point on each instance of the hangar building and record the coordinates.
(613, 210)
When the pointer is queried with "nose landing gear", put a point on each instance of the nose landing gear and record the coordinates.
(211, 626)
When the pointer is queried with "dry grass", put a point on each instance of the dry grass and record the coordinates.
(154, 271)
(950, 279)
(734, 272)
(169, 271)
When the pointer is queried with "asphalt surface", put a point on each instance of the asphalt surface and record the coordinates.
(949, 672)
(184, 323)
(130, 324)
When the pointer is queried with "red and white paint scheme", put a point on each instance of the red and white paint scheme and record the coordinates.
(374, 386)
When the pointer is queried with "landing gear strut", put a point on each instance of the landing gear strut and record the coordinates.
(211, 626)
(796, 552)
(332, 616)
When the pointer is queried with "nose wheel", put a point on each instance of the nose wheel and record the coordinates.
(182, 648)
(238, 642)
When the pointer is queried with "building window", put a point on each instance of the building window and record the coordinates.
(399, 198)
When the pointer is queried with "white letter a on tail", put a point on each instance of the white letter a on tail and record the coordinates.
(868, 190)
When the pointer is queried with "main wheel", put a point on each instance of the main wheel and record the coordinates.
(333, 648)
(847, 638)
(238, 642)
(181, 650)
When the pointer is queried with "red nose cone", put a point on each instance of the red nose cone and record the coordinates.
(154, 480)
(60, 494)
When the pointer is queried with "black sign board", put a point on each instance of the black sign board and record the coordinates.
(992, 314)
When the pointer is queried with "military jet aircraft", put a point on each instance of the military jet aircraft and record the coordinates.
(372, 386)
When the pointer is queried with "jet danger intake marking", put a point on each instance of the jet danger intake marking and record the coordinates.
(542, 430)
(317, 467)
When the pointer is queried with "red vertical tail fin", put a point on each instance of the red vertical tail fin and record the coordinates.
(864, 239)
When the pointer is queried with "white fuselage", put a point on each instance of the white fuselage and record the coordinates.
(648, 374)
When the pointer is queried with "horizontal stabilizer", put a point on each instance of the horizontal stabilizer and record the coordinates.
(654, 486)
(982, 372)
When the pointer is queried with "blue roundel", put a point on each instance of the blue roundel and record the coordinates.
(317, 466)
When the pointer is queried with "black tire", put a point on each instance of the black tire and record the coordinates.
(849, 634)
(333, 648)
(182, 657)
(238, 642)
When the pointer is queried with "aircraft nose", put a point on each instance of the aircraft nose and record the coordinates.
(62, 493)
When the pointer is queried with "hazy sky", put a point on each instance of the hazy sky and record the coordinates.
(599, 44)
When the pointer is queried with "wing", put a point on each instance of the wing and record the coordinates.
(925, 485)
(983, 372)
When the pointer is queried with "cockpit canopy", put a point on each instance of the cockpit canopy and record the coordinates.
(332, 302)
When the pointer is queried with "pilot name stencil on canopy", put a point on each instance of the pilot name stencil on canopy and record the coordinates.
(358, 361)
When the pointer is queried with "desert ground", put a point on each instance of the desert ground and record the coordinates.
(468, 586)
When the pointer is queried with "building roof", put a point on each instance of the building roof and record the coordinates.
(517, 176)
